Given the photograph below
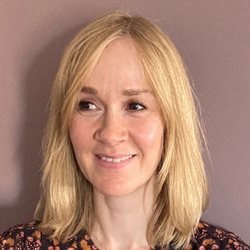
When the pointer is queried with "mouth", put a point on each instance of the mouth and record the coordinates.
(115, 159)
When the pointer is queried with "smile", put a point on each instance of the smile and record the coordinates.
(114, 159)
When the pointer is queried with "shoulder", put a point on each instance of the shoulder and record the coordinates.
(29, 237)
(21, 236)
(208, 236)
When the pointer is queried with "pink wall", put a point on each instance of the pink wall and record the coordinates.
(214, 39)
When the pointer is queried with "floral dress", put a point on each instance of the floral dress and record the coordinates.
(28, 237)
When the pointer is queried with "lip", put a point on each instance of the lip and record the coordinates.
(114, 161)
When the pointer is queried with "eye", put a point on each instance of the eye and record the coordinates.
(86, 106)
(135, 106)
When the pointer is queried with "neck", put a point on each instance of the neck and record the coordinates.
(121, 222)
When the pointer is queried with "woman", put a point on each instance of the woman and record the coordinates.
(122, 155)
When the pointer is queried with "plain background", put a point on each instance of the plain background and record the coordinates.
(214, 40)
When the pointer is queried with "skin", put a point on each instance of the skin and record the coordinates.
(117, 136)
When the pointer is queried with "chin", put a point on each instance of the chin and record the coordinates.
(119, 190)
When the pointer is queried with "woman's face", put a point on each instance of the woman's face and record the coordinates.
(117, 130)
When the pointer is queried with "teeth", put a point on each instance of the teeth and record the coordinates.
(115, 160)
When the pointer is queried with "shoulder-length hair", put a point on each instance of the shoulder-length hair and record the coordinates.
(66, 204)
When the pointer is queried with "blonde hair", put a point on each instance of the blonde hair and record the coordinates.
(66, 204)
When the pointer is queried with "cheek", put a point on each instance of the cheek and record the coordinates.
(150, 133)
(79, 133)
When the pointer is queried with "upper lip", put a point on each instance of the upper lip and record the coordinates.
(114, 156)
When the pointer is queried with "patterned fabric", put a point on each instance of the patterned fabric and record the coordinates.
(28, 237)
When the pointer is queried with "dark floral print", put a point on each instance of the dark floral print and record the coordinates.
(28, 237)
(211, 237)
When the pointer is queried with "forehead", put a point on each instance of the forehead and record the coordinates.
(119, 64)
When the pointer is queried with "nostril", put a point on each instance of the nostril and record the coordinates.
(111, 135)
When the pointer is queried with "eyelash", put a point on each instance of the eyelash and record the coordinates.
(132, 106)
(81, 103)
(142, 107)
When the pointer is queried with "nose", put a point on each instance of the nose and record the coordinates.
(112, 130)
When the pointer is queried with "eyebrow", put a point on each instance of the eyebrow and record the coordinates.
(127, 92)
(132, 92)
(89, 90)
